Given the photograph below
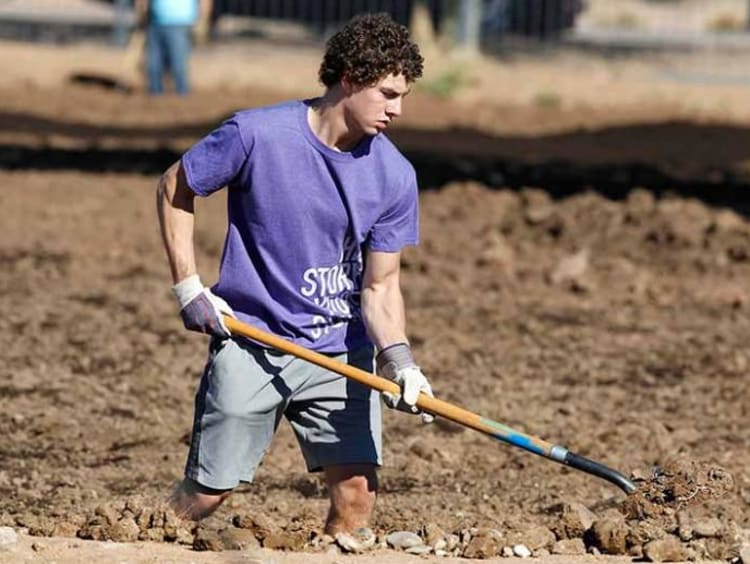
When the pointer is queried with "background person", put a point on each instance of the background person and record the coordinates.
(320, 205)
(169, 28)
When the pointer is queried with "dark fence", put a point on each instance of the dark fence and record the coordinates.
(531, 18)
(324, 14)
(542, 19)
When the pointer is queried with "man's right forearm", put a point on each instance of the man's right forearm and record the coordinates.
(175, 207)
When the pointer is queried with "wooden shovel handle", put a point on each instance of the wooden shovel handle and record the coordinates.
(424, 402)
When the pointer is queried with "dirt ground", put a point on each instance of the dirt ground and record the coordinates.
(613, 323)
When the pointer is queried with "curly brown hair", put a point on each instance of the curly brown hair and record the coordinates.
(368, 48)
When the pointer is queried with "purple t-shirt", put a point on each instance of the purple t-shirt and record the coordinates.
(300, 216)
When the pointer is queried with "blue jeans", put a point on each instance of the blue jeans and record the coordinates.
(168, 48)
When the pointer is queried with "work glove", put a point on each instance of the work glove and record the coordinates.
(200, 309)
(397, 363)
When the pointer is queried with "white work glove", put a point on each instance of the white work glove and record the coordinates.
(200, 309)
(397, 363)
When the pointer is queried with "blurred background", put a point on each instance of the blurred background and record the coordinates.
(508, 69)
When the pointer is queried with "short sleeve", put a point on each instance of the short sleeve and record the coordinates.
(214, 161)
(398, 227)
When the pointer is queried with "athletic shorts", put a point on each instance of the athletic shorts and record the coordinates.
(245, 390)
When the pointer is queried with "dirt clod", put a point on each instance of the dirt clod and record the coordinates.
(571, 546)
(668, 549)
(609, 534)
(485, 544)
(207, 540)
(573, 521)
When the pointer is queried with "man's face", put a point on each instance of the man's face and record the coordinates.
(371, 108)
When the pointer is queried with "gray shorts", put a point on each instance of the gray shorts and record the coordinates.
(246, 389)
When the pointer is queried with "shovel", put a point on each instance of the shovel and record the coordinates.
(435, 406)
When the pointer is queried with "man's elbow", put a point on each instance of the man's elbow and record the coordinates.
(172, 187)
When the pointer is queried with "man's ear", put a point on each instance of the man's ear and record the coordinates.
(347, 86)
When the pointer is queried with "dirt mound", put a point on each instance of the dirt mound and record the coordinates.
(679, 484)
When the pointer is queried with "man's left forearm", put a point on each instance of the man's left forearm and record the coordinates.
(384, 317)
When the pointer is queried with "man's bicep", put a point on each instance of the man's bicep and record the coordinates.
(381, 268)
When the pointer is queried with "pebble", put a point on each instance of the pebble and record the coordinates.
(403, 539)
(8, 536)
(507, 551)
(362, 539)
(521, 551)
(441, 553)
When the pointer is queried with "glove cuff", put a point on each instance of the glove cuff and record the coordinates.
(393, 358)
(187, 289)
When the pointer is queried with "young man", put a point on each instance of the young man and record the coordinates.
(320, 206)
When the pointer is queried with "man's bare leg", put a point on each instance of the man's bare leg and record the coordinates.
(192, 501)
(352, 489)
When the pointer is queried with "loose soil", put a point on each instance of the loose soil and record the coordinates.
(615, 326)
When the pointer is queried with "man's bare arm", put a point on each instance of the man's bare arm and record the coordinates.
(175, 206)
(382, 301)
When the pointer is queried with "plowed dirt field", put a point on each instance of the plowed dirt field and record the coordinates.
(613, 321)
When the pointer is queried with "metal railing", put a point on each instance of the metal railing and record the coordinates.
(323, 14)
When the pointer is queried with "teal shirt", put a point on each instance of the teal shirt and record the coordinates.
(173, 12)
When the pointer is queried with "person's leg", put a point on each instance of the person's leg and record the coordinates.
(352, 489)
(154, 59)
(337, 423)
(237, 409)
(178, 55)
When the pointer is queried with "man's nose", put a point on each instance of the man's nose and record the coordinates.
(393, 109)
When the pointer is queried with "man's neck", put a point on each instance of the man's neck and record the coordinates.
(327, 121)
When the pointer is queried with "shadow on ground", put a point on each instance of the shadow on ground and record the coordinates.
(709, 162)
